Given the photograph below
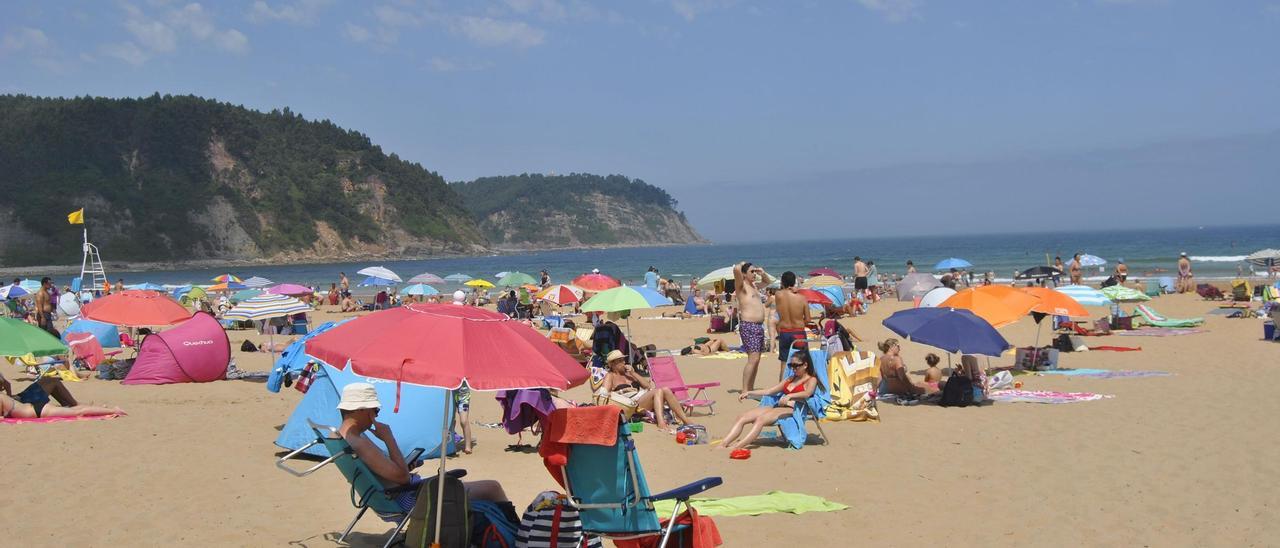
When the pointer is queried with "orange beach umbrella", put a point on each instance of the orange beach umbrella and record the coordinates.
(1055, 303)
(136, 308)
(998, 304)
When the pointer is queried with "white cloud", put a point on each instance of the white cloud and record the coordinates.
(395, 17)
(355, 33)
(127, 52)
(893, 10)
(24, 39)
(231, 40)
(691, 9)
(496, 32)
(151, 34)
(299, 12)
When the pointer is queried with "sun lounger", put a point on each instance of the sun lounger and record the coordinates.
(367, 491)
(607, 483)
(792, 428)
(666, 374)
(1151, 317)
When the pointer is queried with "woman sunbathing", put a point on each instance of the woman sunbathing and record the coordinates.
(45, 388)
(623, 383)
(795, 389)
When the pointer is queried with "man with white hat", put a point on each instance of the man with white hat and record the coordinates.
(1185, 282)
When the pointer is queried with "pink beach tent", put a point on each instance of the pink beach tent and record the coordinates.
(197, 350)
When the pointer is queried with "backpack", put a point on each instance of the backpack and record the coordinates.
(718, 325)
(455, 523)
(493, 524)
(958, 392)
(552, 521)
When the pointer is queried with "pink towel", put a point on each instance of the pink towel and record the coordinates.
(16, 420)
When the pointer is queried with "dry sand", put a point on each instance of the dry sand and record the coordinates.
(1190, 459)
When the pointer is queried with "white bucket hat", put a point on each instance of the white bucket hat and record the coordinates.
(359, 395)
(459, 297)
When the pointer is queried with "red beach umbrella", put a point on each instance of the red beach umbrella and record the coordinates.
(595, 282)
(824, 271)
(135, 308)
(815, 297)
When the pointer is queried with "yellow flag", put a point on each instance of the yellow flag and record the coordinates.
(76, 217)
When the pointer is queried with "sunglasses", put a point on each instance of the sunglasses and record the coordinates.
(796, 364)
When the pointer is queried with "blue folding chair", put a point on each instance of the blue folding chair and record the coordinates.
(793, 428)
(609, 488)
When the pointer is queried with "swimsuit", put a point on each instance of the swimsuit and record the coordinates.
(752, 334)
(462, 398)
(860, 282)
(787, 337)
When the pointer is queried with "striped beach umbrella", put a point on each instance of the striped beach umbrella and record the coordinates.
(1085, 295)
(1122, 294)
(227, 278)
(823, 281)
(265, 307)
(257, 282)
(560, 294)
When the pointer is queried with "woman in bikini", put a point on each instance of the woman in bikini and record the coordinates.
(796, 388)
(639, 392)
(10, 407)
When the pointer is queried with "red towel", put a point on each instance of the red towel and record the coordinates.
(702, 534)
(596, 425)
(1117, 348)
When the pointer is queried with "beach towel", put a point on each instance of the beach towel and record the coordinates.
(1044, 396)
(41, 420)
(1116, 348)
(1159, 332)
(596, 425)
(773, 502)
(524, 408)
(699, 532)
(1104, 373)
(725, 356)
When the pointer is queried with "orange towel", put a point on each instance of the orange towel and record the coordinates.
(596, 425)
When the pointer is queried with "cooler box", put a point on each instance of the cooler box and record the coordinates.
(1044, 358)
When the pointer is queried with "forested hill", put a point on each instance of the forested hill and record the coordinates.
(185, 178)
(532, 211)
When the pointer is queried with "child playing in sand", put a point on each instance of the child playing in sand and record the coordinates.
(932, 375)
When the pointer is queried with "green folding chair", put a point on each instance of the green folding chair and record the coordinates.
(367, 492)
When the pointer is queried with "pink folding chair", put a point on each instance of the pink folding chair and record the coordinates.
(665, 374)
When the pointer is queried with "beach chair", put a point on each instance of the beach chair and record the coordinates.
(792, 429)
(607, 483)
(691, 308)
(666, 374)
(367, 491)
(1151, 317)
(1153, 288)
(1241, 291)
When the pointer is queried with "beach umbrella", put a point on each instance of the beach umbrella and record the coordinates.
(30, 285)
(145, 286)
(915, 285)
(457, 278)
(935, 297)
(1055, 303)
(999, 305)
(948, 264)
(379, 272)
(226, 278)
(257, 282)
(265, 307)
(68, 305)
(479, 282)
(443, 346)
(1038, 272)
(501, 274)
(1122, 294)
(1085, 295)
(813, 296)
(835, 293)
(427, 278)
(245, 294)
(624, 298)
(1264, 257)
(227, 286)
(376, 281)
(950, 329)
(419, 289)
(560, 294)
(709, 280)
(1091, 260)
(823, 281)
(512, 279)
(595, 282)
(12, 292)
(824, 271)
(19, 338)
(293, 290)
(132, 308)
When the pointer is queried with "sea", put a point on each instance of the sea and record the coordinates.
(1215, 252)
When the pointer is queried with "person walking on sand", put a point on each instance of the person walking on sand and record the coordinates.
(860, 272)
(793, 316)
(1184, 274)
(751, 317)
(1077, 272)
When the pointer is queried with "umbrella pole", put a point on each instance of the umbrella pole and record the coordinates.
(444, 444)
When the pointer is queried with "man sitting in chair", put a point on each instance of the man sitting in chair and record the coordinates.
(359, 408)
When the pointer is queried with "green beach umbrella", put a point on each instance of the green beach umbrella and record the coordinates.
(617, 299)
(1122, 294)
(19, 338)
(245, 295)
(513, 279)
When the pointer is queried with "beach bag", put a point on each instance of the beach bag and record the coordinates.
(493, 524)
(455, 525)
(718, 325)
(958, 392)
(552, 521)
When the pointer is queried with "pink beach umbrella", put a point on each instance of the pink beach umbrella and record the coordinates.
(292, 290)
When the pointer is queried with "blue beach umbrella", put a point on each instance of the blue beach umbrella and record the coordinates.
(376, 281)
(419, 289)
(12, 292)
(458, 278)
(146, 286)
(1091, 260)
(654, 298)
(949, 329)
(948, 264)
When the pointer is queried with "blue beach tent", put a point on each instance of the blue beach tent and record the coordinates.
(107, 334)
(294, 357)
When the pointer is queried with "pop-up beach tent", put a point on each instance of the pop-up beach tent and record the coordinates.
(294, 357)
(196, 350)
(107, 334)
(416, 425)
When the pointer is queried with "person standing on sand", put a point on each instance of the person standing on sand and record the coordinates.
(751, 316)
(545, 278)
(344, 283)
(651, 278)
(119, 285)
(793, 316)
(1057, 263)
(1122, 271)
(44, 307)
(1077, 273)
(1184, 274)
(860, 272)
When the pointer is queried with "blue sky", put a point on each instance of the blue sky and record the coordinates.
(688, 94)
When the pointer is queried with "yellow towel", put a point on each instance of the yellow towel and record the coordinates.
(725, 356)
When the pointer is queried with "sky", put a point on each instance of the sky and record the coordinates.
(723, 103)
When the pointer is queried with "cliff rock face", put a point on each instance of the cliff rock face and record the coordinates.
(577, 210)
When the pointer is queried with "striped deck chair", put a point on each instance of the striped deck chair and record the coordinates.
(1151, 317)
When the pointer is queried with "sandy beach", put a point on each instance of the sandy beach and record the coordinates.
(1177, 460)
